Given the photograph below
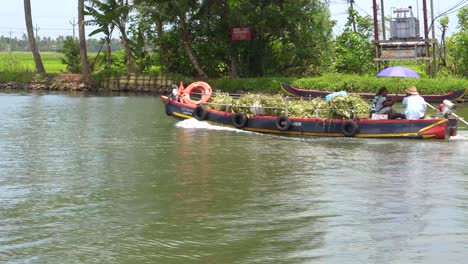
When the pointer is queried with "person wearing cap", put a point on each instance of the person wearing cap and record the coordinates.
(415, 104)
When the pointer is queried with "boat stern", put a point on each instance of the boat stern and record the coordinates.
(453, 126)
(437, 130)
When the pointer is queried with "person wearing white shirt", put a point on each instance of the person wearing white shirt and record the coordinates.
(415, 104)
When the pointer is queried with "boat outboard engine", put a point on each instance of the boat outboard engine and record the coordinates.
(446, 108)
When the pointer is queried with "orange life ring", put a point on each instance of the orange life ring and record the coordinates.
(197, 87)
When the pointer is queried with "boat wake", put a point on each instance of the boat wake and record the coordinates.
(461, 135)
(194, 123)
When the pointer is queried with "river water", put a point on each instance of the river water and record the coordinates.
(98, 179)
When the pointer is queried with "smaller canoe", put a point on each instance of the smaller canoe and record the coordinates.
(430, 98)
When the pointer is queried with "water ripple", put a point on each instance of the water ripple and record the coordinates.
(95, 179)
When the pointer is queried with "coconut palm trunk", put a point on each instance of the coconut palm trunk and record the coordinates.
(188, 49)
(82, 36)
(108, 52)
(128, 51)
(32, 40)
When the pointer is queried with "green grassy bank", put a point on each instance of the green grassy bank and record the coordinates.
(19, 67)
(24, 62)
(338, 82)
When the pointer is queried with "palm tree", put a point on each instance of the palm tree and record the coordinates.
(32, 40)
(444, 21)
(104, 25)
(83, 51)
(124, 12)
(110, 14)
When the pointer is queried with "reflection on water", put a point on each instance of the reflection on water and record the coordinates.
(88, 179)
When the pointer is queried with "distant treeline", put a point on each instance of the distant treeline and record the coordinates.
(50, 44)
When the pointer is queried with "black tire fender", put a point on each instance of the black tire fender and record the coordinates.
(349, 128)
(239, 120)
(167, 107)
(200, 113)
(282, 123)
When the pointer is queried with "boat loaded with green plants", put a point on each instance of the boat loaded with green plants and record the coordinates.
(341, 116)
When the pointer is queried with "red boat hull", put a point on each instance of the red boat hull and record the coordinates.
(437, 128)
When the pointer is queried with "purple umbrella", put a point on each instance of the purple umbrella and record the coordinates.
(398, 71)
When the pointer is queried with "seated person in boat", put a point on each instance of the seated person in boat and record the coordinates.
(381, 104)
(415, 104)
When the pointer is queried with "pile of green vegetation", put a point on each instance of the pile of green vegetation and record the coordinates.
(339, 107)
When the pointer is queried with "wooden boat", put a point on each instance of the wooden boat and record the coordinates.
(430, 98)
(434, 128)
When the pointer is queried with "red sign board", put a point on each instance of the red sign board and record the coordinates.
(241, 33)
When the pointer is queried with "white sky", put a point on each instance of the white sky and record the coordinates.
(53, 16)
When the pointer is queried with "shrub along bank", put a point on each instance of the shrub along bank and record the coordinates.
(271, 85)
(339, 82)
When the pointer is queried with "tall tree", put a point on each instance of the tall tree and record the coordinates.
(32, 40)
(101, 18)
(83, 50)
(444, 21)
(121, 23)
(459, 47)
(110, 14)
(184, 15)
(288, 37)
(181, 15)
(354, 53)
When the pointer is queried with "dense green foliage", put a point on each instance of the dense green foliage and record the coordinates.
(71, 52)
(17, 63)
(352, 83)
(243, 85)
(109, 15)
(289, 40)
(6, 76)
(117, 64)
(338, 82)
(354, 49)
(193, 37)
(458, 44)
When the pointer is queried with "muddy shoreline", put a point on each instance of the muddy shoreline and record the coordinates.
(76, 82)
(55, 82)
